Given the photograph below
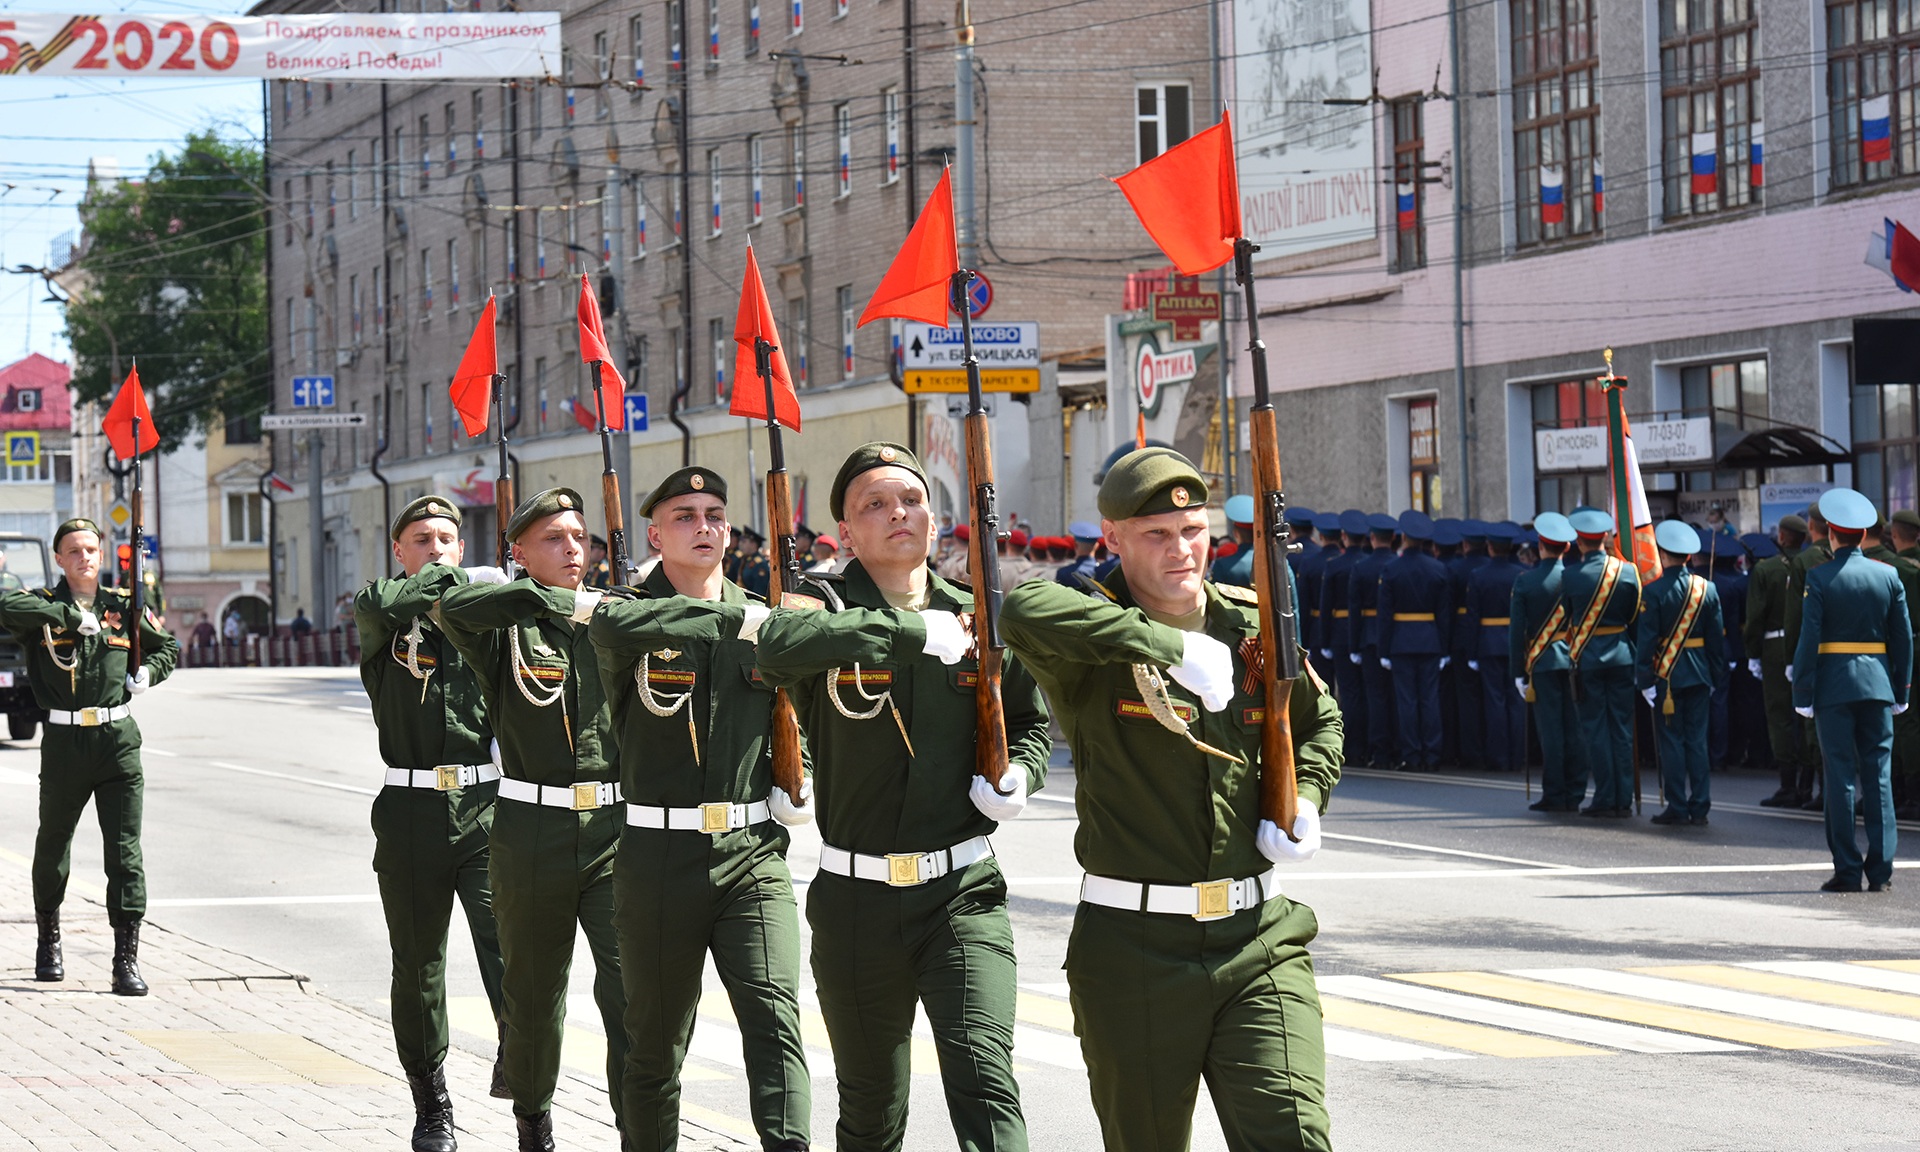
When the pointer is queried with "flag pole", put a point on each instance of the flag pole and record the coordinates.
(783, 576)
(1625, 545)
(502, 484)
(137, 571)
(983, 557)
(610, 483)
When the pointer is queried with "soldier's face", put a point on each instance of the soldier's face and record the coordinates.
(887, 519)
(1163, 555)
(554, 550)
(435, 540)
(691, 531)
(79, 557)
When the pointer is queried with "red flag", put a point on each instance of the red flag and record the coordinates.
(1188, 199)
(755, 321)
(1905, 257)
(593, 346)
(129, 405)
(916, 285)
(583, 415)
(472, 389)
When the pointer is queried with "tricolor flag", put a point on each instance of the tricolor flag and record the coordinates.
(1756, 156)
(1896, 252)
(1876, 130)
(1409, 215)
(1706, 163)
(1599, 189)
(1553, 195)
(1633, 541)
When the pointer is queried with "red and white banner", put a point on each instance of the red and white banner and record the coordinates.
(337, 45)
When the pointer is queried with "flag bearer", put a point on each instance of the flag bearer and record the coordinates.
(1489, 612)
(702, 864)
(1186, 961)
(1601, 595)
(1854, 659)
(555, 830)
(1765, 633)
(78, 638)
(909, 906)
(1415, 603)
(1679, 662)
(1537, 657)
(432, 820)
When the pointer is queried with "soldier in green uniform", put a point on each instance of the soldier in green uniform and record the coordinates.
(909, 904)
(702, 863)
(1537, 654)
(1765, 633)
(1906, 726)
(1817, 552)
(431, 821)
(1903, 529)
(599, 568)
(555, 831)
(1601, 595)
(78, 638)
(1679, 662)
(1185, 960)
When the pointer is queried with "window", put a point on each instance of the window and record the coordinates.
(426, 151)
(286, 99)
(756, 180)
(332, 199)
(641, 354)
(27, 400)
(293, 335)
(313, 335)
(379, 305)
(797, 339)
(676, 37)
(844, 298)
(426, 415)
(288, 187)
(510, 245)
(540, 387)
(753, 28)
(246, 519)
(353, 187)
(1409, 149)
(718, 342)
(843, 143)
(353, 304)
(639, 218)
(839, 8)
(890, 125)
(243, 429)
(539, 245)
(453, 141)
(1710, 102)
(306, 98)
(1556, 114)
(797, 161)
(1569, 404)
(639, 56)
(426, 283)
(1163, 116)
(573, 240)
(1734, 394)
(567, 94)
(799, 19)
(606, 226)
(379, 174)
(713, 33)
(453, 275)
(307, 201)
(676, 192)
(713, 192)
(1872, 109)
(479, 127)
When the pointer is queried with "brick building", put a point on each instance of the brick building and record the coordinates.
(35, 398)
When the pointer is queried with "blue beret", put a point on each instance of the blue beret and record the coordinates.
(1326, 523)
(1447, 522)
(1448, 537)
(1676, 537)
(1529, 538)
(1240, 509)
(1726, 546)
(1300, 517)
(1416, 525)
(1474, 529)
(1848, 510)
(1084, 530)
(1554, 528)
(1505, 532)
(1381, 522)
(1353, 522)
(1591, 522)
(1760, 546)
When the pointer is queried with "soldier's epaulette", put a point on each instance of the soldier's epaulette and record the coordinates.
(1236, 592)
(43, 593)
(1089, 584)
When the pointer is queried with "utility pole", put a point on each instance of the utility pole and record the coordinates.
(317, 533)
(966, 232)
(1229, 444)
(1460, 262)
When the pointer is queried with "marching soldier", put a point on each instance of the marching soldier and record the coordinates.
(909, 904)
(1237, 568)
(1489, 612)
(1311, 574)
(1537, 656)
(1906, 726)
(555, 832)
(1817, 552)
(1415, 604)
(78, 638)
(1679, 661)
(1364, 591)
(432, 820)
(1765, 633)
(702, 862)
(1601, 595)
(1185, 960)
(1466, 718)
(599, 568)
(1337, 634)
(1077, 573)
(1852, 667)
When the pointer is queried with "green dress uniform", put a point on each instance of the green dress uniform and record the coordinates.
(923, 917)
(1816, 553)
(1162, 999)
(1603, 675)
(558, 823)
(432, 819)
(1531, 624)
(1698, 667)
(1906, 726)
(702, 866)
(1765, 632)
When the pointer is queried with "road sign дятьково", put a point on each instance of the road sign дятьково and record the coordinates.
(934, 359)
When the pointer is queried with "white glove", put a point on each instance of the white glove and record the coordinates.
(947, 638)
(1789, 673)
(1004, 805)
(1326, 653)
(89, 623)
(140, 681)
(1206, 670)
(1753, 669)
(493, 753)
(1520, 685)
(1806, 712)
(585, 600)
(1444, 661)
(1648, 694)
(1897, 708)
(1355, 657)
(1472, 665)
(1279, 849)
(786, 811)
(487, 574)
(1386, 663)
(750, 627)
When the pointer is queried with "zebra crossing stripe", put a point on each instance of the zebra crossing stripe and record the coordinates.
(1360, 1046)
(1774, 1008)
(1861, 975)
(1743, 979)
(1560, 1025)
(1447, 1033)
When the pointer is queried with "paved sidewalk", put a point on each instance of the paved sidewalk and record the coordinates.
(227, 1052)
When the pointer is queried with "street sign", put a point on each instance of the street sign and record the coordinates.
(636, 411)
(23, 449)
(120, 514)
(300, 421)
(979, 295)
(1153, 370)
(934, 359)
(1185, 307)
(313, 391)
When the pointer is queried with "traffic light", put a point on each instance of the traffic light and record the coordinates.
(125, 554)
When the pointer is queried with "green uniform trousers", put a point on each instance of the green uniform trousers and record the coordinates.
(1796, 746)
(948, 945)
(1857, 738)
(677, 895)
(102, 764)
(1605, 710)
(422, 864)
(1681, 743)
(1906, 756)
(1160, 1001)
(552, 869)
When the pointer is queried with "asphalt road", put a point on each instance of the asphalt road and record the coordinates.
(1773, 1017)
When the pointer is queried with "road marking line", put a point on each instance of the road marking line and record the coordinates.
(1860, 974)
(1561, 1025)
(1447, 1033)
(257, 1057)
(290, 776)
(156, 752)
(1440, 851)
(260, 901)
(1893, 965)
(1045, 1011)
(1742, 979)
(1585, 1002)
(92, 891)
(1360, 1046)
(1722, 1000)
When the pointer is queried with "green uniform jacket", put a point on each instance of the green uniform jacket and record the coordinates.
(1804, 561)
(1152, 806)
(1909, 572)
(1766, 601)
(1853, 600)
(100, 680)
(1535, 592)
(1660, 609)
(1578, 585)
(873, 797)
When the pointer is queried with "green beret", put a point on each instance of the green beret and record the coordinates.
(426, 508)
(1908, 517)
(1793, 523)
(1150, 481)
(77, 524)
(867, 457)
(694, 479)
(541, 505)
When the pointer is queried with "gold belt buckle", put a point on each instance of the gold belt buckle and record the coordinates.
(716, 818)
(586, 797)
(903, 871)
(446, 777)
(1215, 899)
(91, 717)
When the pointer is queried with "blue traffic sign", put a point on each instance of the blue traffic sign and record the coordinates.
(979, 295)
(636, 412)
(313, 391)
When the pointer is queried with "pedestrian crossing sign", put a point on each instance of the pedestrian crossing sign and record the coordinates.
(23, 449)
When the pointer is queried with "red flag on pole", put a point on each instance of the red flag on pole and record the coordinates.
(593, 346)
(916, 285)
(1188, 199)
(755, 322)
(129, 405)
(472, 388)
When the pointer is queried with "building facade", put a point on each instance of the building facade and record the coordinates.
(36, 473)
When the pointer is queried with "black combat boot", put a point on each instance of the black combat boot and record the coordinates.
(46, 954)
(126, 960)
(432, 1112)
(536, 1132)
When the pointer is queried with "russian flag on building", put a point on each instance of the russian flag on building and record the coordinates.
(1599, 189)
(1876, 130)
(1404, 202)
(1553, 195)
(1756, 156)
(1706, 163)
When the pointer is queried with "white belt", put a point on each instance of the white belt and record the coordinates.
(442, 777)
(709, 818)
(1208, 900)
(904, 869)
(1776, 634)
(89, 717)
(583, 797)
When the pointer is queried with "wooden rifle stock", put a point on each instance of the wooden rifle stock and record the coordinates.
(783, 576)
(617, 555)
(983, 564)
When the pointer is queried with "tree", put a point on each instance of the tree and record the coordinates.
(172, 275)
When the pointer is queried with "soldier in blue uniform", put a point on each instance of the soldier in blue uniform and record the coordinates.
(1724, 557)
(1489, 614)
(1415, 605)
(1679, 662)
(1336, 634)
(1601, 594)
(1079, 573)
(1446, 549)
(1362, 592)
(1300, 520)
(1468, 701)
(1851, 671)
(1326, 525)
(1537, 657)
(1237, 567)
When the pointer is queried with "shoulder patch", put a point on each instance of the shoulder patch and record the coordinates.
(802, 602)
(1239, 593)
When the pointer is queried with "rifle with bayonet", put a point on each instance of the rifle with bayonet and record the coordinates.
(783, 576)
(983, 560)
(617, 556)
(503, 483)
